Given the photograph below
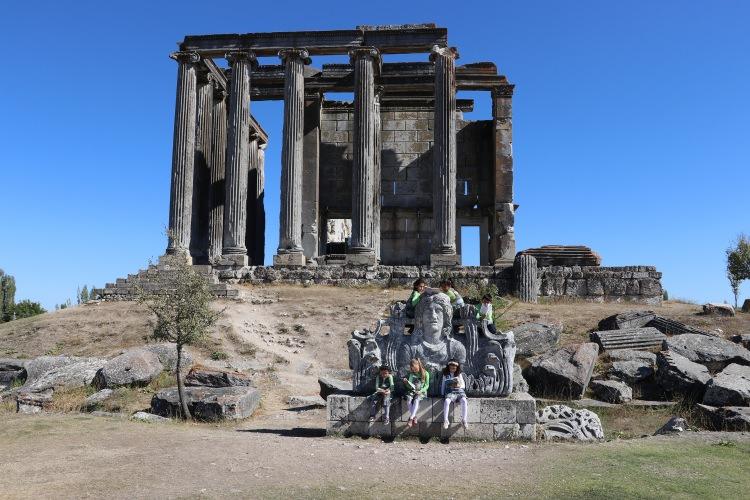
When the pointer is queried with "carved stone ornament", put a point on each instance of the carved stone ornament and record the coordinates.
(563, 422)
(236, 56)
(185, 57)
(295, 53)
(486, 359)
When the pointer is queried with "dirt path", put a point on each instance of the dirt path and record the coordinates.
(62, 456)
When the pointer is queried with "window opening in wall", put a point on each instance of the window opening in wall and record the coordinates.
(470, 246)
(338, 234)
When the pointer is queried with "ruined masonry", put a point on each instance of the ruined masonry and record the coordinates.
(380, 183)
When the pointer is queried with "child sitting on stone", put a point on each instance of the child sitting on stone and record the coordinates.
(446, 286)
(453, 389)
(485, 313)
(416, 382)
(383, 389)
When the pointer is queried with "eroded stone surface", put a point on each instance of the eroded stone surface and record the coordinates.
(713, 352)
(536, 338)
(33, 402)
(135, 367)
(611, 391)
(167, 353)
(208, 403)
(673, 426)
(718, 309)
(678, 374)
(329, 385)
(66, 373)
(563, 422)
(564, 372)
(210, 377)
(730, 387)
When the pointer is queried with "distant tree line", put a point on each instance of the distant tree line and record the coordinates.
(9, 309)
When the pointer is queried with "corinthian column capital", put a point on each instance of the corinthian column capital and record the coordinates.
(185, 57)
(295, 53)
(371, 53)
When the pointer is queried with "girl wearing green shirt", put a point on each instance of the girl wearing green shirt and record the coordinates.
(417, 382)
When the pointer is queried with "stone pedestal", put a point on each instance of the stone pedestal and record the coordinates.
(289, 259)
(290, 223)
(445, 260)
(490, 419)
(183, 155)
(238, 146)
(361, 259)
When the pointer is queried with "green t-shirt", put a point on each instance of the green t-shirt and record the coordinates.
(415, 380)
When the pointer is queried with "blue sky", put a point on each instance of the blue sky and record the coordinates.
(631, 126)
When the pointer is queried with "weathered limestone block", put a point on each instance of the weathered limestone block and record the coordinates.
(329, 386)
(628, 319)
(564, 372)
(143, 416)
(629, 338)
(743, 340)
(718, 309)
(306, 401)
(79, 372)
(677, 374)
(727, 418)
(594, 287)
(713, 352)
(208, 403)
(203, 376)
(30, 403)
(135, 367)
(731, 387)
(12, 371)
(672, 327)
(611, 391)
(673, 425)
(519, 383)
(167, 353)
(632, 366)
(563, 422)
(746, 306)
(536, 338)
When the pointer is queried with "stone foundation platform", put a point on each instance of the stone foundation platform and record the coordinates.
(499, 419)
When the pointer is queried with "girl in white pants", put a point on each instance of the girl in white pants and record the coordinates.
(453, 389)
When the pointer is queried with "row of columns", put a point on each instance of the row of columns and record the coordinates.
(231, 222)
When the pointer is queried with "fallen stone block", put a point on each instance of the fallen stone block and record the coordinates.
(730, 387)
(208, 403)
(611, 391)
(202, 376)
(330, 386)
(628, 319)
(672, 327)
(673, 426)
(564, 372)
(143, 416)
(134, 367)
(536, 338)
(97, 398)
(743, 340)
(677, 374)
(563, 422)
(713, 352)
(71, 373)
(727, 418)
(31, 403)
(629, 338)
(632, 366)
(714, 309)
(519, 383)
(167, 353)
(306, 401)
(746, 306)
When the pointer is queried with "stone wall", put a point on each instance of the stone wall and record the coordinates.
(406, 175)
(502, 419)
(602, 284)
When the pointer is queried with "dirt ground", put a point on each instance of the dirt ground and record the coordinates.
(63, 456)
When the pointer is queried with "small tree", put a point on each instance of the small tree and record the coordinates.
(738, 264)
(83, 295)
(182, 307)
(27, 308)
(7, 296)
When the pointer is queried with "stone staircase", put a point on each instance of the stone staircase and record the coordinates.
(157, 277)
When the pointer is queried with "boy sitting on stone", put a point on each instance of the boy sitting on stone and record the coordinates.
(383, 389)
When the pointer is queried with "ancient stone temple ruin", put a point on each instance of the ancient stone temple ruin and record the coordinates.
(399, 162)
(373, 190)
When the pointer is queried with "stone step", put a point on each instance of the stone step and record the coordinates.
(562, 255)
(629, 338)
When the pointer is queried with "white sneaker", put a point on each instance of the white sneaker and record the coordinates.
(446, 425)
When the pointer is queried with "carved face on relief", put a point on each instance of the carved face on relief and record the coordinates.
(433, 315)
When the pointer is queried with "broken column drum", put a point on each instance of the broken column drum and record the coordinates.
(238, 146)
(183, 155)
(290, 223)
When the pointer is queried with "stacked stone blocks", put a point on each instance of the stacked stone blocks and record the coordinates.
(511, 418)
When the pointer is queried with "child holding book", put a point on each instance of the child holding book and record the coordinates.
(453, 389)
(416, 382)
(383, 389)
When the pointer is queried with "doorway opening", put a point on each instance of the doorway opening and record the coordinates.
(470, 246)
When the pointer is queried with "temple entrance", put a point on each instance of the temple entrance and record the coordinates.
(469, 248)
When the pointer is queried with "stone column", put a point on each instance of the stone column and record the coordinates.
(252, 197)
(183, 156)
(199, 241)
(366, 61)
(238, 144)
(444, 158)
(502, 232)
(376, 196)
(259, 245)
(218, 158)
(290, 251)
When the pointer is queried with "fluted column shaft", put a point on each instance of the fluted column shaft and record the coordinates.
(366, 62)
(218, 159)
(444, 151)
(290, 221)
(183, 155)
(238, 144)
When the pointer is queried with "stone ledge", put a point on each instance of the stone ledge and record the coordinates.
(511, 418)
